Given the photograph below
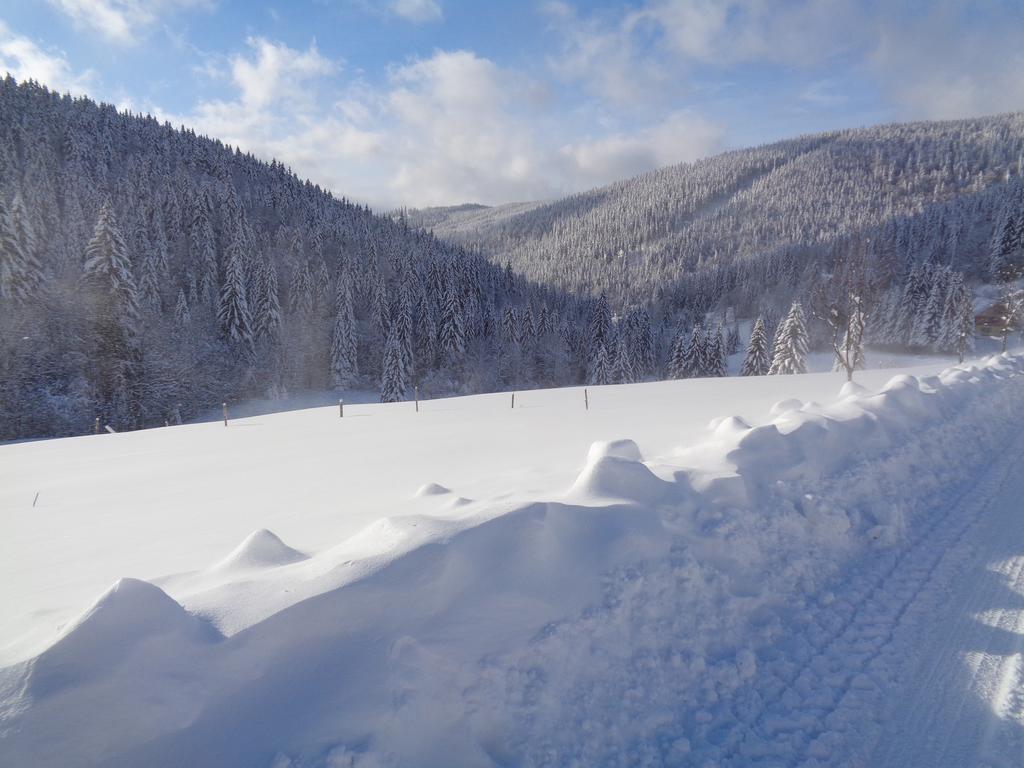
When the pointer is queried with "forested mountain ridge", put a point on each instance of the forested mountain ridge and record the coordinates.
(641, 240)
(147, 274)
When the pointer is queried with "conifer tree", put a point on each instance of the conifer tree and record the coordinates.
(693, 355)
(203, 247)
(112, 305)
(21, 274)
(714, 354)
(756, 362)
(233, 311)
(392, 385)
(344, 364)
(451, 330)
(677, 356)
(267, 314)
(790, 352)
(182, 315)
(600, 371)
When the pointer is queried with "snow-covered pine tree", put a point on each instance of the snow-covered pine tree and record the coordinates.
(677, 356)
(756, 362)
(451, 327)
(112, 307)
(624, 367)
(233, 311)
(426, 337)
(790, 352)
(714, 354)
(694, 354)
(1005, 240)
(403, 327)
(392, 384)
(344, 363)
(20, 271)
(600, 371)
(203, 247)
(267, 312)
(509, 327)
(600, 324)
(182, 315)
(733, 343)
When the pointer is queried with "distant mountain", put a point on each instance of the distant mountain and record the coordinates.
(923, 190)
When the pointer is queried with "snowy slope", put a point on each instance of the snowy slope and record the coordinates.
(472, 584)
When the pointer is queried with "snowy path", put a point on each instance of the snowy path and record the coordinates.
(916, 661)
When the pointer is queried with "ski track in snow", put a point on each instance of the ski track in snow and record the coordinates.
(906, 670)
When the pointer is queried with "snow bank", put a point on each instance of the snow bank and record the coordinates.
(613, 624)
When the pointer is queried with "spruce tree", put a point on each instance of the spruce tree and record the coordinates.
(756, 362)
(267, 313)
(790, 352)
(677, 356)
(233, 312)
(182, 315)
(21, 275)
(112, 307)
(600, 371)
(693, 355)
(344, 365)
(714, 354)
(451, 329)
(392, 383)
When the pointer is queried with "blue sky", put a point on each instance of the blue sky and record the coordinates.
(426, 102)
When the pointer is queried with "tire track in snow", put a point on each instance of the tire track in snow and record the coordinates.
(827, 710)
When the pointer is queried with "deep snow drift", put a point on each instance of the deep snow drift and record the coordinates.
(476, 585)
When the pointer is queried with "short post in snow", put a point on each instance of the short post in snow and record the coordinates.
(96, 426)
(341, 409)
(35, 500)
(416, 395)
(586, 399)
(513, 400)
(224, 406)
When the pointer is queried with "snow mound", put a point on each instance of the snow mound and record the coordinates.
(261, 549)
(614, 470)
(431, 489)
(784, 406)
(728, 425)
(851, 389)
(132, 614)
(620, 449)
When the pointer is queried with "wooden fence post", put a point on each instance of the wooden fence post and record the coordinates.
(586, 399)
(513, 399)
(341, 409)
(416, 394)
(225, 407)
(96, 426)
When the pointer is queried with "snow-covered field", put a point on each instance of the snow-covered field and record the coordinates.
(822, 574)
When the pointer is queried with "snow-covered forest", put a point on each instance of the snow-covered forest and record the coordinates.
(148, 274)
(917, 191)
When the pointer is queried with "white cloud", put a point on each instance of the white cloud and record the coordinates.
(25, 60)
(681, 137)
(949, 62)
(122, 21)
(417, 11)
(452, 127)
(278, 73)
(945, 58)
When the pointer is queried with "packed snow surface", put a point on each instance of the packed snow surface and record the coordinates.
(774, 571)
